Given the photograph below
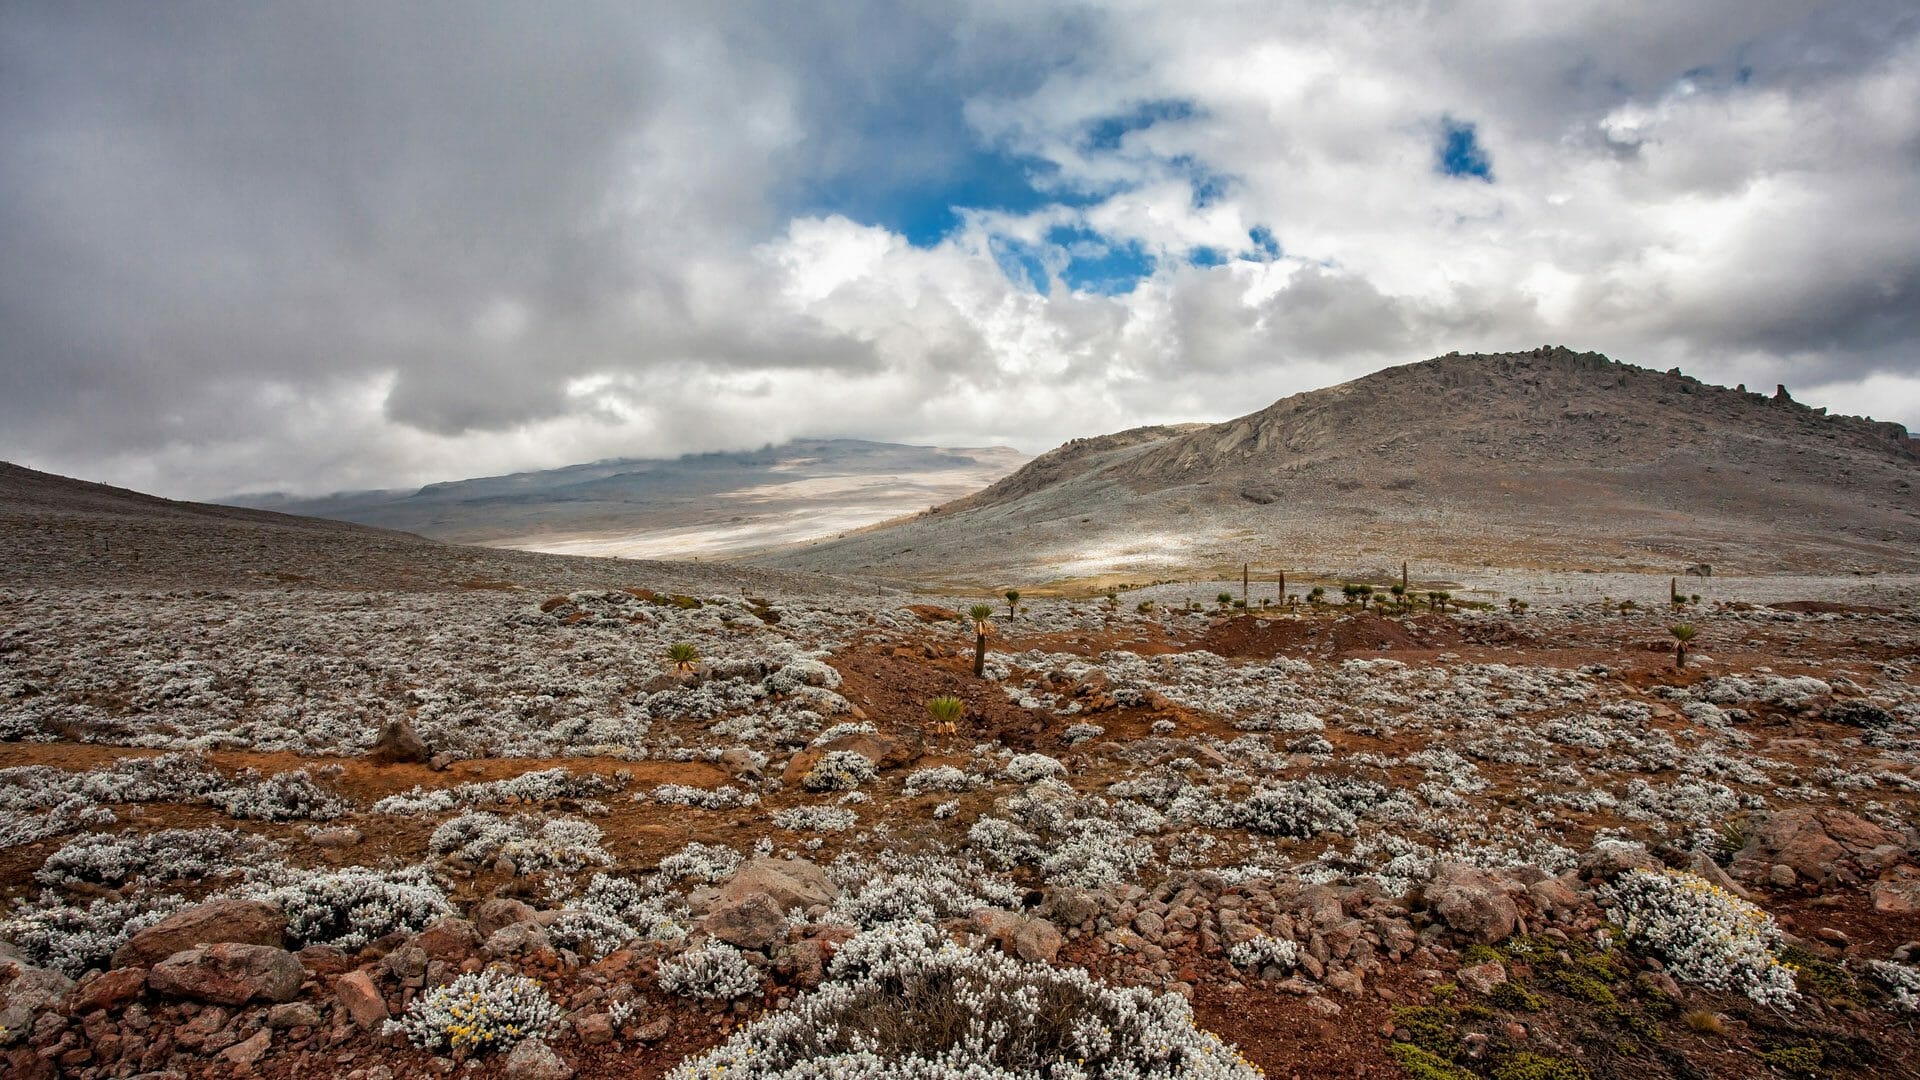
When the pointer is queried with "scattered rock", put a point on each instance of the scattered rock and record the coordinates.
(109, 990)
(244, 922)
(1899, 896)
(1470, 902)
(247, 1052)
(790, 883)
(490, 915)
(362, 1000)
(399, 744)
(594, 1028)
(1822, 846)
(753, 921)
(229, 974)
(293, 1014)
(451, 938)
(533, 1059)
(1482, 978)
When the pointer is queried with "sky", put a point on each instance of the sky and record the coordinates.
(307, 248)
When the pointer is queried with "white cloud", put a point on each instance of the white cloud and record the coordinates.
(522, 243)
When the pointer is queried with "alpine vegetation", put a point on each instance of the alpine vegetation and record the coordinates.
(479, 1012)
(1706, 934)
(715, 971)
(903, 1001)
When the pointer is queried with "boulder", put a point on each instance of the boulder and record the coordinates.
(1822, 846)
(752, 921)
(452, 938)
(1608, 859)
(109, 990)
(399, 743)
(32, 988)
(1471, 902)
(229, 974)
(242, 922)
(490, 915)
(885, 751)
(533, 1059)
(790, 883)
(357, 994)
(1482, 978)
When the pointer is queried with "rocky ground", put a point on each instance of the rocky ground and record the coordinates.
(318, 826)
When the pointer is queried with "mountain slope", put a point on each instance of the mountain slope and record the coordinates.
(59, 532)
(1545, 458)
(700, 504)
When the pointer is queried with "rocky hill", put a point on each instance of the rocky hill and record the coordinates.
(59, 532)
(1547, 458)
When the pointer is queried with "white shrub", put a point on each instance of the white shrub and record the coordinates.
(1027, 768)
(905, 1002)
(938, 778)
(1901, 981)
(53, 934)
(478, 1012)
(287, 796)
(167, 855)
(838, 770)
(727, 797)
(708, 862)
(350, 907)
(1704, 933)
(816, 818)
(1079, 733)
(715, 971)
(1264, 951)
(533, 844)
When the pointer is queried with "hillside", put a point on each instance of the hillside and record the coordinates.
(1546, 458)
(697, 505)
(59, 532)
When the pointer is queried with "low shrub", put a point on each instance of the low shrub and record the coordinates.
(838, 770)
(1704, 933)
(712, 972)
(903, 1001)
(479, 1012)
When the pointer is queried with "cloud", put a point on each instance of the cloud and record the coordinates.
(364, 245)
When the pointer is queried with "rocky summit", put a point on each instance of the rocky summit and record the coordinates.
(1548, 458)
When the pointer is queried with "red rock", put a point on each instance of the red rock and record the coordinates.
(111, 990)
(229, 974)
(452, 938)
(249, 1051)
(362, 999)
(791, 883)
(493, 915)
(245, 922)
(754, 921)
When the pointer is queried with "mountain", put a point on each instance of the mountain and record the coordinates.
(1548, 458)
(57, 532)
(696, 505)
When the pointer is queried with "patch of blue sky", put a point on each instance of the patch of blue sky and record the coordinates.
(928, 212)
(1100, 264)
(1460, 153)
(1108, 132)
